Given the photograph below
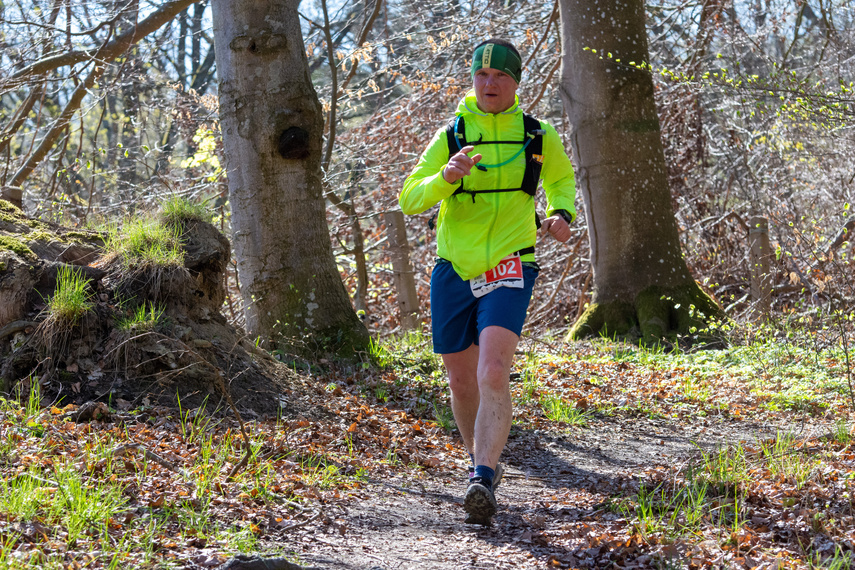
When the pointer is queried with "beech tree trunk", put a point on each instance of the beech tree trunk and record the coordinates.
(272, 126)
(642, 286)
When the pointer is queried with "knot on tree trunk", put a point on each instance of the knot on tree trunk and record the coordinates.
(294, 143)
(259, 44)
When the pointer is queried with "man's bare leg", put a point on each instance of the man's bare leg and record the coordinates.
(479, 378)
(462, 370)
(495, 413)
(492, 419)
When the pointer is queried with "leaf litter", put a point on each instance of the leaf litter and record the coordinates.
(666, 468)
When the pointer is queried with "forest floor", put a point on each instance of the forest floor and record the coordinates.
(618, 457)
(558, 503)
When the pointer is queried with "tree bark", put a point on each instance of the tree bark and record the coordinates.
(272, 125)
(402, 270)
(642, 286)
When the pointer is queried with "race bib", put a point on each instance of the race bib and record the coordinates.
(508, 273)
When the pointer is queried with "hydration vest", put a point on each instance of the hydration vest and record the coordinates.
(532, 145)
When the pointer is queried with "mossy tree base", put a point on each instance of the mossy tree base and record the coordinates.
(657, 315)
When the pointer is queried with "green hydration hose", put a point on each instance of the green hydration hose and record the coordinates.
(484, 167)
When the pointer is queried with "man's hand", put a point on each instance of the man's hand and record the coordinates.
(460, 165)
(557, 227)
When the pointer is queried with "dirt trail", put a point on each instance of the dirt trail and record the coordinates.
(553, 499)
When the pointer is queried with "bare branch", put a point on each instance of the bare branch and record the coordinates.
(546, 82)
(107, 51)
(331, 117)
(363, 36)
(21, 115)
(552, 17)
(64, 118)
(52, 28)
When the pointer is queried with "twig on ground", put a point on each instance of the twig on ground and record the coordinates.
(322, 541)
(239, 465)
(301, 523)
(123, 449)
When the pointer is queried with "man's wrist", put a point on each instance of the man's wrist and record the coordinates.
(564, 215)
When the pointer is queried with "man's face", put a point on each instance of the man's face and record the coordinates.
(495, 90)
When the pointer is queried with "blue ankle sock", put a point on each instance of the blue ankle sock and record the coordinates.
(472, 458)
(485, 473)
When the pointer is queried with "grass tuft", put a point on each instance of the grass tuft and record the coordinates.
(444, 417)
(725, 469)
(144, 318)
(177, 210)
(146, 243)
(785, 460)
(559, 410)
(64, 310)
(412, 351)
(72, 298)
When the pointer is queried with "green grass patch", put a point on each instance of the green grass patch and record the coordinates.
(674, 512)
(412, 352)
(318, 471)
(177, 210)
(94, 507)
(802, 371)
(785, 460)
(62, 497)
(72, 298)
(559, 410)
(444, 417)
(146, 243)
(145, 317)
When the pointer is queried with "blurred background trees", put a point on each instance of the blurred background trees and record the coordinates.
(754, 100)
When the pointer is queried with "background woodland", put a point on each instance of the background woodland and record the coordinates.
(754, 98)
(141, 438)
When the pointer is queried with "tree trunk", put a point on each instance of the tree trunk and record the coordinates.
(402, 270)
(642, 286)
(272, 124)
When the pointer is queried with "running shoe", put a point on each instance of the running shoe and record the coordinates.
(480, 503)
(497, 477)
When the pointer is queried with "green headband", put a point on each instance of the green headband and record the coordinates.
(497, 56)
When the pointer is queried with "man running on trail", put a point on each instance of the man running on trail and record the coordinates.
(484, 169)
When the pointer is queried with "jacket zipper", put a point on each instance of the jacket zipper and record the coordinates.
(494, 197)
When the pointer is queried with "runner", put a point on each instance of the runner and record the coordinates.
(486, 231)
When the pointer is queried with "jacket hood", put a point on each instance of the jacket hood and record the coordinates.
(469, 106)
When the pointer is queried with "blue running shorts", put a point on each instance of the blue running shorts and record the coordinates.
(458, 317)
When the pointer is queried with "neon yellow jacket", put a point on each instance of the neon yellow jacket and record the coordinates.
(475, 235)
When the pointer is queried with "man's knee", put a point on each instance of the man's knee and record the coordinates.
(493, 374)
(463, 386)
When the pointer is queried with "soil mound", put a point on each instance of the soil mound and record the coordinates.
(149, 333)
